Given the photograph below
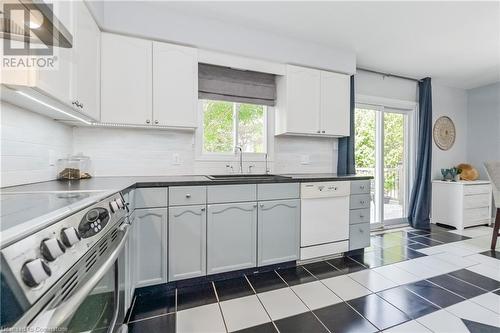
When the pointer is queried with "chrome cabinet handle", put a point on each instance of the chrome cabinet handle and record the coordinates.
(318, 131)
(362, 187)
(261, 205)
(188, 195)
(255, 206)
(156, 121)
(361, 216)
(362, 202)
(203, 209)
(361, 230)
(322, 131)
(148, 121)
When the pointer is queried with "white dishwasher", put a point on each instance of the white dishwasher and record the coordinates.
(324, 226)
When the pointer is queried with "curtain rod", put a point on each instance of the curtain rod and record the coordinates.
(388, 74)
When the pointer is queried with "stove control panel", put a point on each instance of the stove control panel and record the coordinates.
(41, 259)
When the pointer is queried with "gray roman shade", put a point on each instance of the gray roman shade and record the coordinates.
(234, 85)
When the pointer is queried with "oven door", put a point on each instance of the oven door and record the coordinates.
(97, 305)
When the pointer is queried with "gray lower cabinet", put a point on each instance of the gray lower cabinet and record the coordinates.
(278, 231)
(231, 237)
(359, 236)
(187, 231)
(151, 241)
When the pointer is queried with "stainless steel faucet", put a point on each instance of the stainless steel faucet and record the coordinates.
(241, 156)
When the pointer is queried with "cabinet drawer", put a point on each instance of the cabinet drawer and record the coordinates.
(277, 191)
(187, 195)
(359, 236)
(359, 201)
(359, 216)
(360, 186)
(477, 214)
(151, 197)
(231, 193)
(476, 189)
(477, 201)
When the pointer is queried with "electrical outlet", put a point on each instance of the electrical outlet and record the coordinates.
(304, 159)
(176, 159)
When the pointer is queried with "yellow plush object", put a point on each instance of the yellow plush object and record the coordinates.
(468, 172)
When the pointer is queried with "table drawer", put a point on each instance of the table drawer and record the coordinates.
(187, 195)
(359, 236)
(476, 189)
(277, 191)
(359, 201)
(360, 186)
(477, 214)
(231, 193)
(359, 216)
(477, 201)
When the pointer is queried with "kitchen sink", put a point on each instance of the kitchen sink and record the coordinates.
(247, 177)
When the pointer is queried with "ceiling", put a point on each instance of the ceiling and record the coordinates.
(457, 43)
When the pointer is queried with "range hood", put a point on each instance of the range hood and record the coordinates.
(45, 27)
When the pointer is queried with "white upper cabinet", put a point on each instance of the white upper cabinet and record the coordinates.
(335, 104)
(86, 61)
(126, 80)
(312, 102)
(175, 85)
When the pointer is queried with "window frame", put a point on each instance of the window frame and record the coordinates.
(203, 155)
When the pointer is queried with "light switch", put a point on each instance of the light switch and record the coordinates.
(176, 159)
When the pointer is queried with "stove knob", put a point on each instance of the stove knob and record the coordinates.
(51, 249)
(114, 206)
(35, 272)
(70, 236)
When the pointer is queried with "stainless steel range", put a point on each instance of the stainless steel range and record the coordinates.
(68, 275)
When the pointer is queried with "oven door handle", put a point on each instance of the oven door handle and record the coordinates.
(52, 318)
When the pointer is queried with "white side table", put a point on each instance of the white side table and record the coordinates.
(461, 204)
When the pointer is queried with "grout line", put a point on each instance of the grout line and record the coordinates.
(131, 309)
(218, 304)
(152, 317)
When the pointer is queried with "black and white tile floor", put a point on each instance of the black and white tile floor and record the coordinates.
(407, 281)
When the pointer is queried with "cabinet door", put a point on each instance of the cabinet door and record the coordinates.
(175, 85)
(335, 104)
(231, 237)
(86, 58)
(303, 98)
(151, 242)
(279, 228)
(187, 232)
(126, 80)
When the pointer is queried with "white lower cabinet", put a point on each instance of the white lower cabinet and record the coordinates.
(187, 229)
(151, 241)
(278, 231)
(231, 237)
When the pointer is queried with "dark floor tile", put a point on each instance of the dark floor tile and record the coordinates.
(406, 301)
(447, 237)
(188, 297)
(346, 265)
(434, 293)
(152, 303)
(441, 228)
(457, 286)
(379, 312)
(263, 328)
(417, 246)
(492, 253)
(322, 270)
(295, 275)
(416, 233)
(266, 281)
(233, 288)
(369, 259)
(304, 322)
(342, 318)
(164, 324)
(427, 241)
(497, 292)
(478, 280)
(475, 327)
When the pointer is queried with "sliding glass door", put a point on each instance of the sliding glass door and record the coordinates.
(383, 151)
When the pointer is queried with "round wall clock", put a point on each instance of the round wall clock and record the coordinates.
(444, 133)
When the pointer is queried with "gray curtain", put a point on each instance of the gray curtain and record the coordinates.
(420, 201)
(346, 164)
(234, 85)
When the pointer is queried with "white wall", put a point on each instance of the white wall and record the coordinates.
(29, 144)
(483, 142)
(451, 102)
(372, 84)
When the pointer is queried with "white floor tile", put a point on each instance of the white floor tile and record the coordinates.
(433, 249)
(436, 265)
(345, 287)
(408, 327)
(282, 303)
(372, 280)
(243, 312)
(490, 301)
(489, 261)
(472, 311)
(203, 319)
(457, 260)
(422, 272)
(316, 295)
(443, 322)
(473, 232)
(486, 270)
(396, 274)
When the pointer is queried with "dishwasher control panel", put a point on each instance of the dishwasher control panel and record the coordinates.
(325, 189)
